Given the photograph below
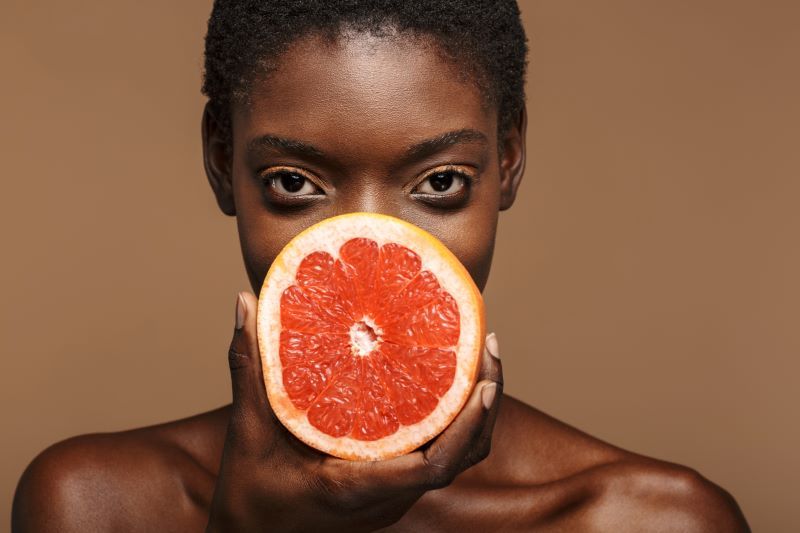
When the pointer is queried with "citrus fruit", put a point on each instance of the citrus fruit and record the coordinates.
(370, 332)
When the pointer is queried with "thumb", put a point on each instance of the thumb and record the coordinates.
(250, 404)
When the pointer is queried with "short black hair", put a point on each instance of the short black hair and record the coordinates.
(484, 37)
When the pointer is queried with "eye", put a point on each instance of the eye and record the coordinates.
(444, 182)
(291, 182)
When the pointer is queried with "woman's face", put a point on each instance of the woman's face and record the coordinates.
(372, 124)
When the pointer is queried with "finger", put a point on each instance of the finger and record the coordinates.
(250, 404)
(449, 453)
(434, 467)
(491, 368)
(467, 440)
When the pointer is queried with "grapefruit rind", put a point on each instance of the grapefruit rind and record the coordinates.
(328, 236)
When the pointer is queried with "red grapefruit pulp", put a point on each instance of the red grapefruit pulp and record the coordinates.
(370, 332)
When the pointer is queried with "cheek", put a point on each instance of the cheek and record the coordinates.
(470, 236)
(262, 232)
(477, 254)
(257, 251)
(470, 232)
(262, 236)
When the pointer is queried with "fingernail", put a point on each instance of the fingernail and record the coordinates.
(491, 345)
(487, 395)
(241, 310)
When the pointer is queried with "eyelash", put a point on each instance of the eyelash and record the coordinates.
(270, 178)
(455, 170)
(468, 180)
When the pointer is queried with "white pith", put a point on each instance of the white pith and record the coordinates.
(329, 237)
(361, 341)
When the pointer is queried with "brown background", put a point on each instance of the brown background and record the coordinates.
(645, 287)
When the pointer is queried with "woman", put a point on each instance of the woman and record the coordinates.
(413, 109)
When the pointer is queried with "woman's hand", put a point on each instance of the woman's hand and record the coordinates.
(270, 480)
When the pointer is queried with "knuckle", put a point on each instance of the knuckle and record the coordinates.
(339, 492)
(439, 475)
(497, 375)
(482, 452)
(323, 487)
(236, 359)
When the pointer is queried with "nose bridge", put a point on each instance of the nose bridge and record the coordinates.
(367, 191)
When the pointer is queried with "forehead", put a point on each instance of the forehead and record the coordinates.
(362, 92)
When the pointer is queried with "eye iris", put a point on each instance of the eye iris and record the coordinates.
(292, 182)
(441, 181)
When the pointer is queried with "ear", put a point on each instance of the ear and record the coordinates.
(217, 159)
(512, 160)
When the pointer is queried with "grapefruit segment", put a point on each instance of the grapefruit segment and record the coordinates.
(370, 333)
(412, 400)
(397, 267)
(433, 368)
(434, 323)
(332, 412)
(375, 413)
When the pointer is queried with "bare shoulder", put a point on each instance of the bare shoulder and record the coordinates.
(647, 494)
(594, 485)
(119, 481)
(531, 447)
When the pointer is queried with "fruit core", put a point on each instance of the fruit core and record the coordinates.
(363, 337)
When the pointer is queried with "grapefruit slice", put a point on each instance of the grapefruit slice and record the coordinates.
(370, 332)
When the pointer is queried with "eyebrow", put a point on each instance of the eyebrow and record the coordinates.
(284, 145)
(450, 138)
(415, 151)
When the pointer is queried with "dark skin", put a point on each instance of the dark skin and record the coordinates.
(358, 125)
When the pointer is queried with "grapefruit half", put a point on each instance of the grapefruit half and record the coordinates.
(370, 332)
